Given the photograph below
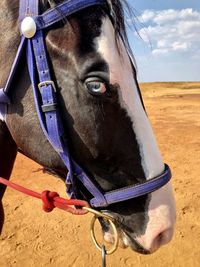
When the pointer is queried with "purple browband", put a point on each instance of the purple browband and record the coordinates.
(48, 114)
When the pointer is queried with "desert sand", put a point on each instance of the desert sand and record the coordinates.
(32, 238)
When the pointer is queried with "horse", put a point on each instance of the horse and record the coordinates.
(102, 112)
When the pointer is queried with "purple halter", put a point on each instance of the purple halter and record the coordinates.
(32, 39)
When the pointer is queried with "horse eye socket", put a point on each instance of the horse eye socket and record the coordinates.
(96, 87)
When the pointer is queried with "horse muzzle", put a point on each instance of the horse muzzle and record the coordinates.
(145, 244)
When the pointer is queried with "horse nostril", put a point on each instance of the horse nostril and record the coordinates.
(152, 243)
(161, 239)
(167, 236)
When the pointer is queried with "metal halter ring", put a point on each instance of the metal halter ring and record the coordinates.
(97, 215)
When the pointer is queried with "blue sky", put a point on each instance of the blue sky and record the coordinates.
(170, 45)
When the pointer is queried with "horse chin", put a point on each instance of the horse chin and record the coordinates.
(125, 240)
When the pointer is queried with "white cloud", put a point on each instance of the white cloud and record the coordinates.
(147, 16)
(161, 43)
(159, 51)
(177, 46)
(169, 15)
(171, 30)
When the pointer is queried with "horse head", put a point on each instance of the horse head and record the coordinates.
(108, 131)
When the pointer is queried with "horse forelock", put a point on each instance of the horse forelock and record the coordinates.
(116, 11)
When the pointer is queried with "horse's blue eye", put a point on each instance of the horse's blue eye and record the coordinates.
(96, 87)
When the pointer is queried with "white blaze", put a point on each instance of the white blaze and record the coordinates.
(161, 207)
(121, 73)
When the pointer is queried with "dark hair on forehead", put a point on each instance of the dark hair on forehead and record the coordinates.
(116, 12)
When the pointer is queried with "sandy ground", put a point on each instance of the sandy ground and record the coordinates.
(33, 238)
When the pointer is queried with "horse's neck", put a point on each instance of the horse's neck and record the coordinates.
(9, 36)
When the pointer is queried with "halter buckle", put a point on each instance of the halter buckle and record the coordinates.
(46, 83)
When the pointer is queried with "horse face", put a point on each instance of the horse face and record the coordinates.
(109, 132)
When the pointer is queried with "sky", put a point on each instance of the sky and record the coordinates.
(168, 45)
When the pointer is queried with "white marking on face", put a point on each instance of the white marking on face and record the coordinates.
(121, 73)
(161, 207)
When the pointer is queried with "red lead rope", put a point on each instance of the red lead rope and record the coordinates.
(51, 200)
